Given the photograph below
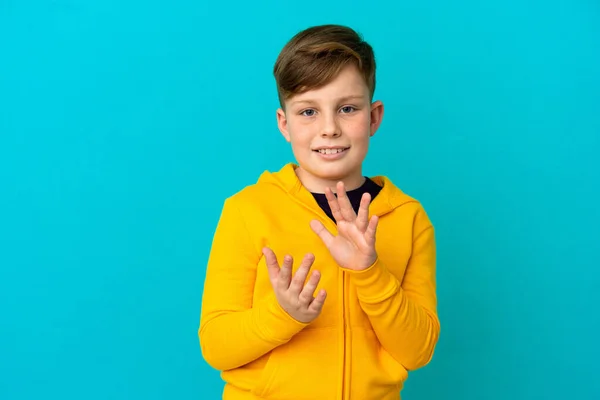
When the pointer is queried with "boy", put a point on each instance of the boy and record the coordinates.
(311, 295)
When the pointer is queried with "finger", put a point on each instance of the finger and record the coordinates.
(272, 264)
(285, 274)
(333, 205)
(317, 305)
(307, 294)
(301, 274)
(371, 231)
(322, 232)
(362, 220)
(344, 203)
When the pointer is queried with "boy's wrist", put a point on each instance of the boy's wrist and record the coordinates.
(276, 323)
(374, 283)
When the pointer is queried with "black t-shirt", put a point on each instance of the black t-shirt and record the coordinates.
(369, 186)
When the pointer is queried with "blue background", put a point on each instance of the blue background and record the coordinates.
(124, 125)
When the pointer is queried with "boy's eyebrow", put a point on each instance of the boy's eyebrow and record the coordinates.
(340, 100)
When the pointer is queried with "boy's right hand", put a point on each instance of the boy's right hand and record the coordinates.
(293, 296)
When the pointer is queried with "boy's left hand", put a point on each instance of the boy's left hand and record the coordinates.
(354, 246)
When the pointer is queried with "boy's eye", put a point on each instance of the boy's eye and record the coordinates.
(308, 113)
(347, 109)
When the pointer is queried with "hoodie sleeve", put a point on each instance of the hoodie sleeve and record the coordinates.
(403, 314)
(234, 331)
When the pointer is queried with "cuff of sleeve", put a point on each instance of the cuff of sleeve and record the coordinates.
(276, 323)
(375, 283)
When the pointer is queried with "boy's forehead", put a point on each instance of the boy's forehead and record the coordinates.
(343, 87)
(307, 98)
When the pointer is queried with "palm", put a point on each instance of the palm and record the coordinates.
(354, 246)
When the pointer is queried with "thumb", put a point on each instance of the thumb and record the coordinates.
(322, 232)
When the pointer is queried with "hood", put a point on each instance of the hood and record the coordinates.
(389, 198)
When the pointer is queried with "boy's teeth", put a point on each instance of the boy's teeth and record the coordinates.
(330, 151)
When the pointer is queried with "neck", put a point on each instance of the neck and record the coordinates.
(315, 184)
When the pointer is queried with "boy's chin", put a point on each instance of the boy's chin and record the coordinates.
(332, 172)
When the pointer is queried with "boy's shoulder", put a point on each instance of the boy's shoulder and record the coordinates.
(267, 188)
(394, 194)
(395, 201)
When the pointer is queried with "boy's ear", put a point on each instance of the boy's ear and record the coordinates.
(376, 116)
(282, 124)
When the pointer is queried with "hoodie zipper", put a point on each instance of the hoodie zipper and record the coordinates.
(342, 290)
(345, 357)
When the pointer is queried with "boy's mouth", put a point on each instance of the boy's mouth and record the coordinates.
(334, 150)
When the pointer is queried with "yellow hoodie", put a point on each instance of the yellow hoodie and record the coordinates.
(375, 326)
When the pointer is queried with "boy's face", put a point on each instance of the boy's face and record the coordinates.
(329, 129)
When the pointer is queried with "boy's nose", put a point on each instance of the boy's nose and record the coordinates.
(330, 128)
